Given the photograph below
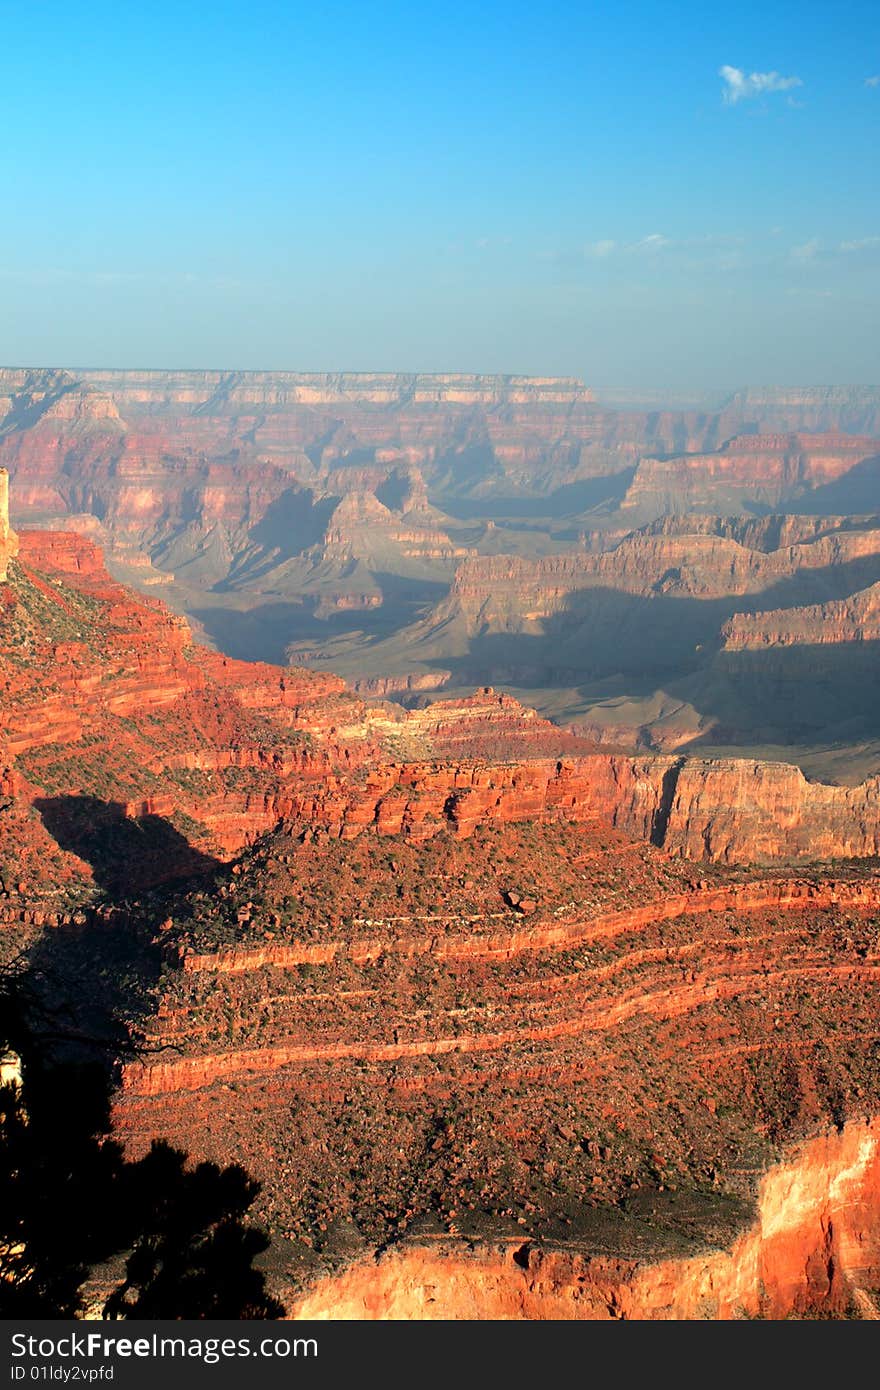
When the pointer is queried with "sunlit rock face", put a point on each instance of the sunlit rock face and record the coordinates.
(812, 1251)
(768, 469)
(8, 538)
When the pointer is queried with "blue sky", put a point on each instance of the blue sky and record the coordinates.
(559, 188)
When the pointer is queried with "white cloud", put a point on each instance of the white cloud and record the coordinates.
(695, 247)
(865, 243)
(739, 85)
(873, 81)
(807, 252)
(601, 248)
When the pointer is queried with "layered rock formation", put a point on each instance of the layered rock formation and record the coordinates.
(849, 409)
(814, 1250)
(108, 698)
(653, 606)
(855, 619)
(767, 469)
(581, 1056)
(320, 518)
(449, 971)
(234, 390)
(191, 435)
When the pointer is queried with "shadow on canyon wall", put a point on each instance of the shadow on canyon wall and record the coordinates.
(635, 645)
(793, 695)
(127, 854)
(569, 500)
(857, 492)
(264, 632)
(293, 523)
(601, 631)
(82, 1226)
(83, 1229)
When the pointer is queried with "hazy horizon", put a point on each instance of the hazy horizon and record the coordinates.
(647, 389)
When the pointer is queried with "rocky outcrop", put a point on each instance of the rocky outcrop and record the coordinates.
(779, 531)
(812, 1251)
(738, 810)
(855, 619)
(762, 468)
(378, 687)
(8, 538)
(362, 528)
(89, 668)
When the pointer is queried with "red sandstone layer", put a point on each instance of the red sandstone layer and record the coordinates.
(272, 743)
(592, 1044)
(814, 1250)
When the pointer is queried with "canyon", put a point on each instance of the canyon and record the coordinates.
(108, 698)
(554, 1007)
(419, 534)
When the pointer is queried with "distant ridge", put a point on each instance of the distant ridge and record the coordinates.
(327, 388)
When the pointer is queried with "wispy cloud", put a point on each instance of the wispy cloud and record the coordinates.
(646, 245)
(865, 243)
(718, 251)
(601, 249)
(873, 81)
(656, 241)
(740, 86)
(808, 251)
(857, 253)
(651, 244)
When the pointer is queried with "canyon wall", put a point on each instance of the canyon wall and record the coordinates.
(575, 1048)
(80, 441)
(454, 964)
(235, 390)
(767, 469)
(813, 1251)
(698, 564)
(244, 745)
(854, 619)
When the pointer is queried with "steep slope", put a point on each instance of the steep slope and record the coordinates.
(641, 616)
(447, 971)
(854, 619)
(766, 470)
(572, 1046)
(111, 710)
